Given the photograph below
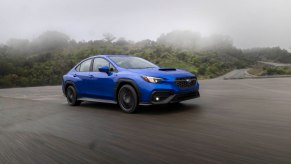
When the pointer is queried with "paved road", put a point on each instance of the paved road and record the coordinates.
(243, 74)
(235, 74)
(235, 121)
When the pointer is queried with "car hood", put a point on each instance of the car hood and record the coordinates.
(163, 73)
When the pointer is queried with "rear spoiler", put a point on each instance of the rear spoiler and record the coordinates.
(167, 69)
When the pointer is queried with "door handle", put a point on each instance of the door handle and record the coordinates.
(74, 75)
(91, 76)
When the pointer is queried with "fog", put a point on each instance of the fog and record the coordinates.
(249, 23)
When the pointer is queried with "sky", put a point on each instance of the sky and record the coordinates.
(250, 23)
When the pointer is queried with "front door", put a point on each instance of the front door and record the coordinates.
(101, 84)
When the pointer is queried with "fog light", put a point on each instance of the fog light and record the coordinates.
(157, 98)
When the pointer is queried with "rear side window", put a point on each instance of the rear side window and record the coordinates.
(85, 66)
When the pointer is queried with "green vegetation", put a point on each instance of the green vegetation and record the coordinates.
(45, 59)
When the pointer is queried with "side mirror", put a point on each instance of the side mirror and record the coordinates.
(104, 69)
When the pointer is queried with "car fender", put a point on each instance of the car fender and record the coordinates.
(68, 82)
(126, 80)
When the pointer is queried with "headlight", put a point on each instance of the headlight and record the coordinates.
(152, 79)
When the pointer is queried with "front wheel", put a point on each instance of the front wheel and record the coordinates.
(71, 95)
(127, 99)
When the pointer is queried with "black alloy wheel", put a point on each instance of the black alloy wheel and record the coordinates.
(71, 95)
(127, 99)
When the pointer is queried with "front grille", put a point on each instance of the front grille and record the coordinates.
(185, 82)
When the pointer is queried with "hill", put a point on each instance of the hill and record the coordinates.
(44, 60)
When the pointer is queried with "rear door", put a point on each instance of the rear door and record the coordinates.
(82, 78)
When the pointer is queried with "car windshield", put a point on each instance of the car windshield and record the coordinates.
(130, 62)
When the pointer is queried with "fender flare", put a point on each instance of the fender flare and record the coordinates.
(65, 84)
(128, 81)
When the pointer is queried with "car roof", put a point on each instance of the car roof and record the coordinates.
(108, 55)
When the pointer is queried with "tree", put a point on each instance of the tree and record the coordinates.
(180, 39)
(50, 40)
(108, 37)
(147, 43)
(18, 46)
(122, 42)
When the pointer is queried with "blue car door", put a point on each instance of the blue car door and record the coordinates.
(82, 78)
(101, 84)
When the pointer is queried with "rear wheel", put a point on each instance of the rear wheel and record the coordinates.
(127, 99)
(71, 95)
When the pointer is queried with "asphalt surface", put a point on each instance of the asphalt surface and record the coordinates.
(234, 121)
(235, 74)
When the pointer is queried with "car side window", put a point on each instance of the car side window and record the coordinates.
(99, 62)
(85, 66)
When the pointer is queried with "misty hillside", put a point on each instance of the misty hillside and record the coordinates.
(43, 60)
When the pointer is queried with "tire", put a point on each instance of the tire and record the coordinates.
(71, 95)
(127, 99)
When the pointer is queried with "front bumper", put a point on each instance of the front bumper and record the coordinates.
(165, 97)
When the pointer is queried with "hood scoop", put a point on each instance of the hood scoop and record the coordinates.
(167, 69)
